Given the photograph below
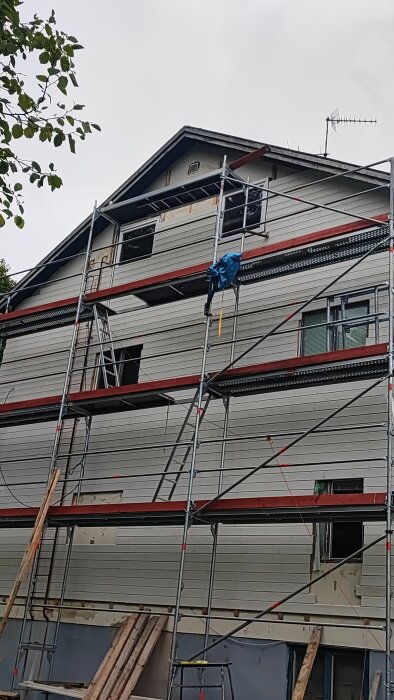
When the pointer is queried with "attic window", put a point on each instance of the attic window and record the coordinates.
(136, 243)
(234, 210)
(193, 167)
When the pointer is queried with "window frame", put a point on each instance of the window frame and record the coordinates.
(259, 228)
(129, 229)
(330, 654)
(333, 317)
(121, 364)
(326, 537)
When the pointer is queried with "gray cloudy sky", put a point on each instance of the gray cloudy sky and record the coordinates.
(269, 70)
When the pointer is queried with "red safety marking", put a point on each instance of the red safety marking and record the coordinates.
(285, 464)
(269, 438)
(388, 546)
(283, 449)
(202, 695)
(199, 410)
(58, 428)
(116, 476)
(275, 605)
(390, 386)
(76, 324)
(183, 547)
(391, 249)
(15, 671)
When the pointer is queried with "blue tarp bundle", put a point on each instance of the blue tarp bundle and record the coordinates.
(222, 274)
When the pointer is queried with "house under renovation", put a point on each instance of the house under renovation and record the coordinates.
(196, 428)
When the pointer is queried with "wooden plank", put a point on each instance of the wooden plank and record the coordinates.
(105, 668)
(54, 690)
(132, 660)
(144, 657)
(373, 693)
(62, 690)
(31, 548)
(7, 695)
(307, 664)
(116, 670)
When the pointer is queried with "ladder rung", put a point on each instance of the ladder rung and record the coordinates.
(38, 646)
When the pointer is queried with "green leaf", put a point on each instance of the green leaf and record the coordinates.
(54, 181)
(42, 78)
(70, 119)
(33, 177)
(19, 221)
(24, 101)
(18, 186)
(29, 132)
(36, 166)
(78, 106)
(13, 167)
(72, 39)
(86, 127)
(44, 57)
(2, 220)
(58, 140)
(8, 212)
(77, 46)
(96, 126)
(65, 64)
(60, 121)
(71, 142)
(51, 166)
(74, 79)
(68, 49)
(17, 131)
(62, 84)
(3, 167)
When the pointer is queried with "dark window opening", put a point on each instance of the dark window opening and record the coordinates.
(193, 168)
(137, 243)
(127, 363)
(234, 208)
(339, 540)
(337, 674)
(325, 338)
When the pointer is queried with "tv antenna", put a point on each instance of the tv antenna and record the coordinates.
(335, 118)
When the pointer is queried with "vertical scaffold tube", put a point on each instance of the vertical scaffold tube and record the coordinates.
(390, 434)
(199, 402)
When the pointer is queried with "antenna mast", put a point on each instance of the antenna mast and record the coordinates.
(335, 118)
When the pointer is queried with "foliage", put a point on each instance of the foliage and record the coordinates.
(6, 283)
(29, 106)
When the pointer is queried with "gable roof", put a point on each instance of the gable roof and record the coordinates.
(159, 162)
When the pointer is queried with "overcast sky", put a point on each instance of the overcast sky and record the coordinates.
(269, 70)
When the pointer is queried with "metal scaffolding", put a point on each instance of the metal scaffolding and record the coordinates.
(353, 242)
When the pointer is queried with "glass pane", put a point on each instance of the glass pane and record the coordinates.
(315, 687)
(356, 336)
(314, 340)
(349, 670)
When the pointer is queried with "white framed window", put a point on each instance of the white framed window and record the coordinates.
(317, 336)
(338, 540)
(249, 198)
(136, 241)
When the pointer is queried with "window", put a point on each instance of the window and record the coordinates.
(234, 208)
(341, 336)
(339, 540)
(193, 168)
(128, 366)
(137, 243)
(337, 674)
